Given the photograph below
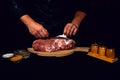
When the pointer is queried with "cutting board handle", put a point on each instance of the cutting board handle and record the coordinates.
(82, 49)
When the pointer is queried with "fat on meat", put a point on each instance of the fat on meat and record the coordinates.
(52, 44)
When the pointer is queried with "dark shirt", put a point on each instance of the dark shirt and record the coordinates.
(49, 12)
(46, 10)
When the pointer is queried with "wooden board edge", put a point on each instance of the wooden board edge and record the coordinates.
(52, 54)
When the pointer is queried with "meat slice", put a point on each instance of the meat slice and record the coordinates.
(53, 44)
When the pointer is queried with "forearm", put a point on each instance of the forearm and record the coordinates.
(27, 20)
(78, 18)
(34, 28)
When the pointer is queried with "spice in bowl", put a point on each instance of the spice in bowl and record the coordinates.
(16, 58)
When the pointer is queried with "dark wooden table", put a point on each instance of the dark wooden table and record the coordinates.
(78, 64)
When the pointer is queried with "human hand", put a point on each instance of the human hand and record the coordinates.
(38, 30)
(70, 29)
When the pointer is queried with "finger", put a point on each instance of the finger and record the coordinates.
(65, 30)
(41, 34)
(71, 31)
(45, 32)
(37, 35)
(34, 34)
(75, 31)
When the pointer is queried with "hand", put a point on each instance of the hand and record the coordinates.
(38, 30)
(70, 29)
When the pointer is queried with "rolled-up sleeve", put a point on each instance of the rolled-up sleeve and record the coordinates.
(17, 8)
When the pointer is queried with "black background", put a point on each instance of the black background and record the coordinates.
(103, 27)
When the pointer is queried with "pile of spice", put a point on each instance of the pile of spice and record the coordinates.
(17, 55)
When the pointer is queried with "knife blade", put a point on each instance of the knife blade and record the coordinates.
(63, 36)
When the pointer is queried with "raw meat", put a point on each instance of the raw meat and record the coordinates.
(53, 44)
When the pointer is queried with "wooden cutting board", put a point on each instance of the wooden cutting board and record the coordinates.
(60, 53)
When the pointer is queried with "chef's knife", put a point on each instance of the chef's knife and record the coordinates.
(63, 36)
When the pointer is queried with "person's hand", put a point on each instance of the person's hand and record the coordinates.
(70, 29)
(38, 30)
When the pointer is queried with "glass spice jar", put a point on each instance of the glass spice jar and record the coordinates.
(110, 52)
(101, 50)
(94, 48)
